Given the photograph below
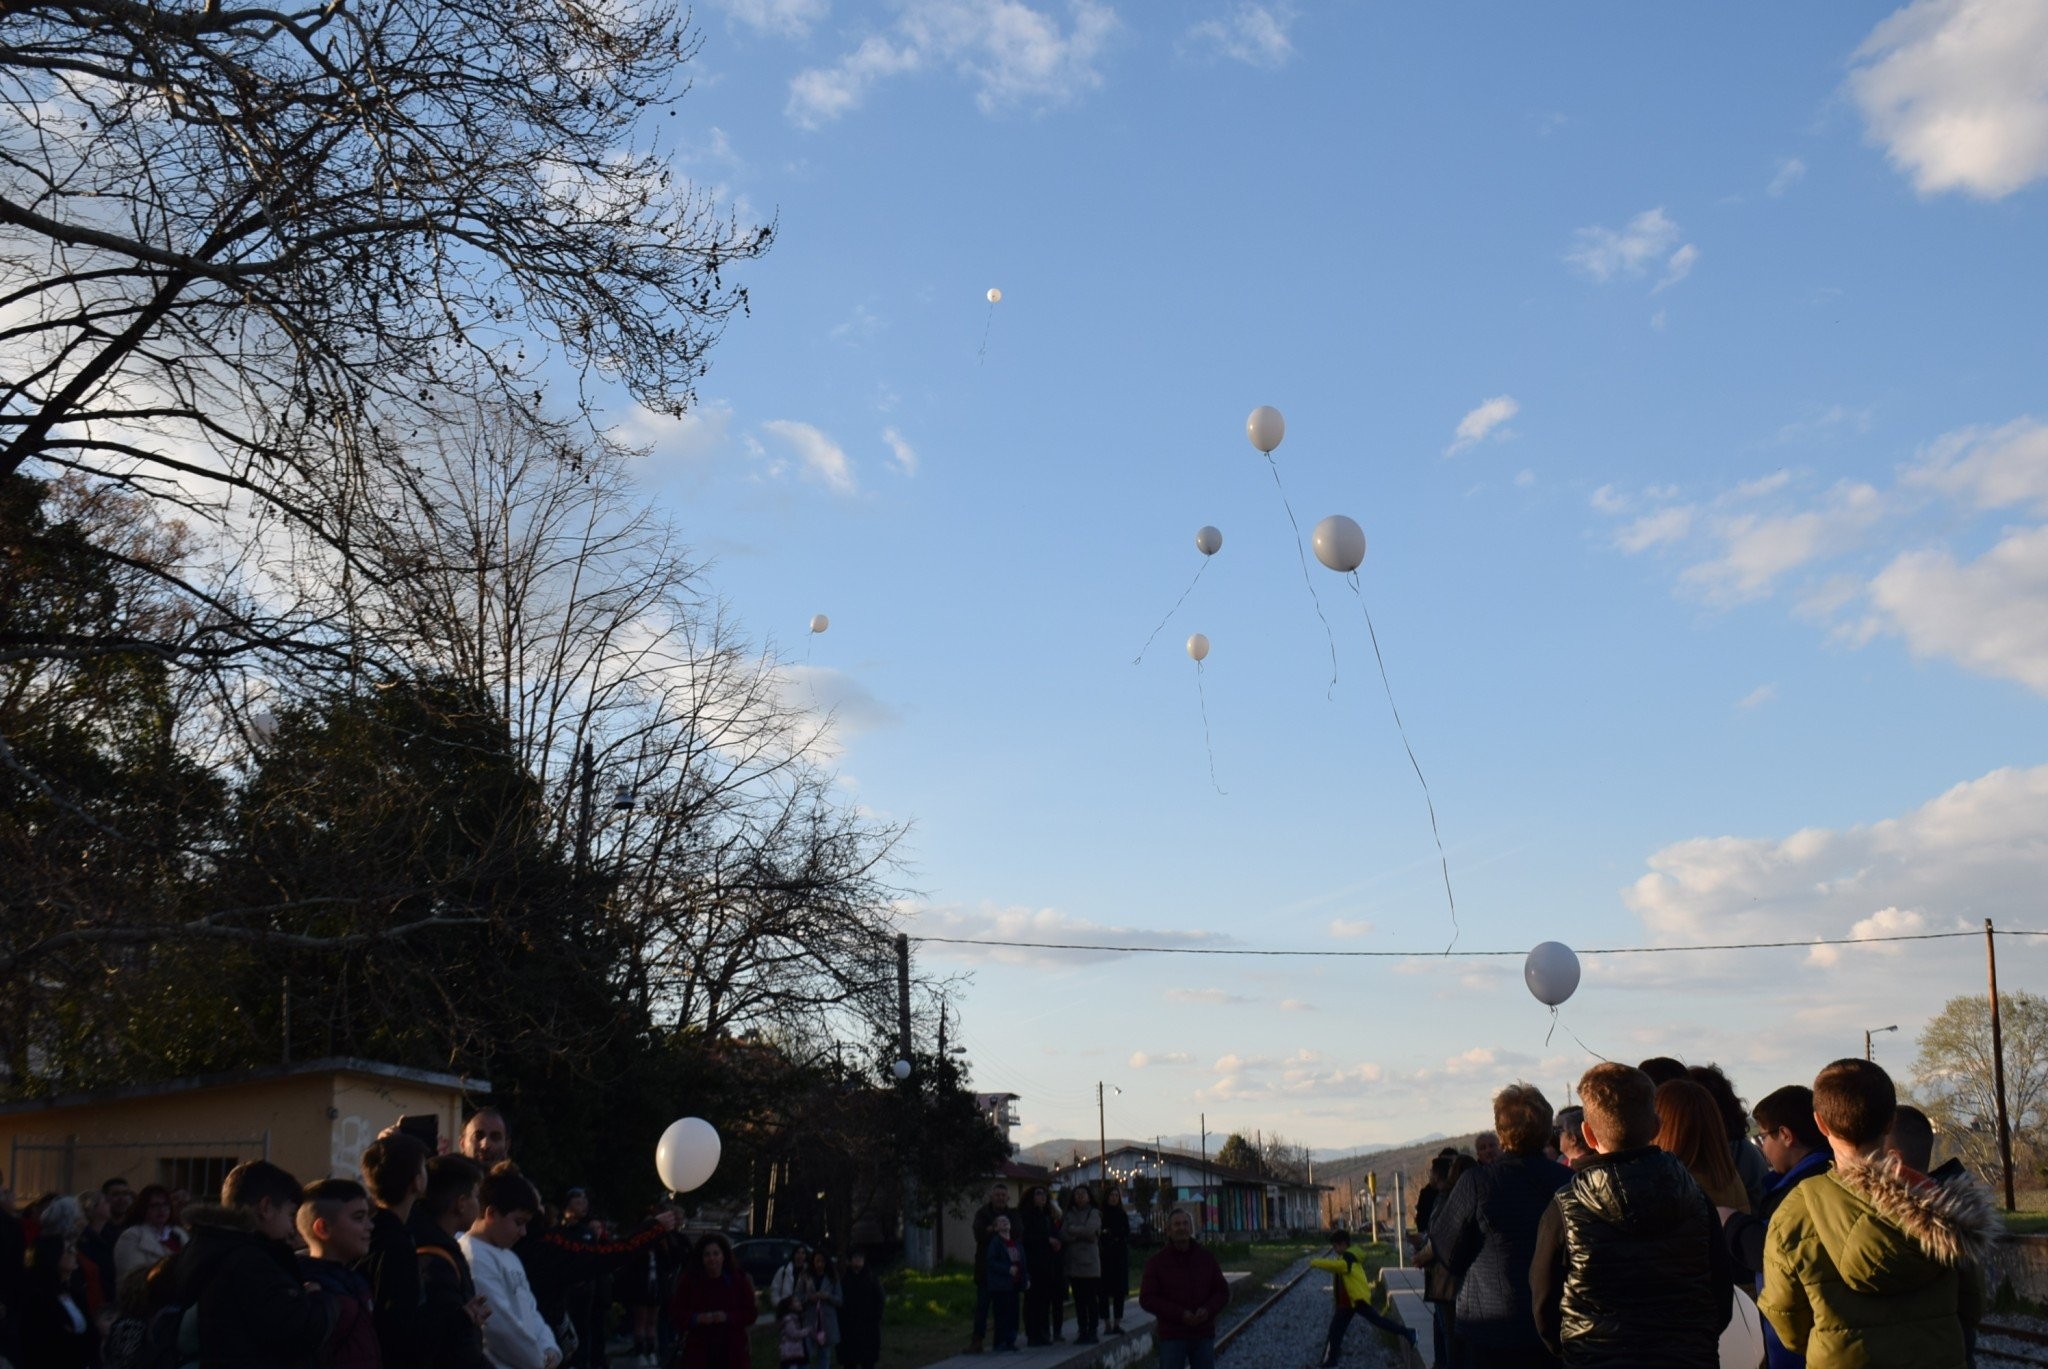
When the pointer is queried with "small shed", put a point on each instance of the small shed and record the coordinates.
(315, 1118)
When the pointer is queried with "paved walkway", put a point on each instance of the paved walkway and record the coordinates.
(1404, 1301)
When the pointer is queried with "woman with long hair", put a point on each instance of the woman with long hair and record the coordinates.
(150, 1234)
(1116, 1257)
(1039, 1235)
(714, 1308)
(1081, 1248)
(818, 1292)
(1691, 1131)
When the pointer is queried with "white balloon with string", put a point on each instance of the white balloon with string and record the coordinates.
(1208, 541)
(1198, 652)
(1264, 429)
(995, 297)
(1551, 971)
(1340, 546)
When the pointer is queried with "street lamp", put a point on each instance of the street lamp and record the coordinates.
(1869, 1033)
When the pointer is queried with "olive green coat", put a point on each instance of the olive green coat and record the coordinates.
(1875, 1267)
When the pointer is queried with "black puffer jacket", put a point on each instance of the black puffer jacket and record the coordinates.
(1630, 1271)
(253, 1308)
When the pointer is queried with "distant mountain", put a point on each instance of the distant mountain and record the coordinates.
(1410, 1161)
(1333, 1164)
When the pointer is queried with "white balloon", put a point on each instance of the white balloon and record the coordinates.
(263, 725)
(1209, 541)
(1265, 427)
(1339, 543)
(1742, 1340)
(901, 1069)
(995, 297)
(687, 1155)
(1552, 972)
(819, 622)
(1198, 648)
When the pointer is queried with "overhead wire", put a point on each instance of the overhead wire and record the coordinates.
(1464, 954)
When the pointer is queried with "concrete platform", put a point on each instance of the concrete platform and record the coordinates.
(1115, 1352)
(1404, 1302)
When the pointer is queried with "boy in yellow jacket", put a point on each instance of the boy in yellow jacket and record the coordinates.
(1351, 1290)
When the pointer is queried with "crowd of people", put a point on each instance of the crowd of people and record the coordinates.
(1627, 1230)
(1030, 1260)
(428, 1260)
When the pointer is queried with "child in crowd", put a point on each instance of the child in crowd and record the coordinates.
(239, 1280)
(516, 1336)
(793, 1349)
(334, 1221)
(451, 1314)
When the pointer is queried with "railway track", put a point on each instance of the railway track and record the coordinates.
(1286, 1329)
(1223, 1342)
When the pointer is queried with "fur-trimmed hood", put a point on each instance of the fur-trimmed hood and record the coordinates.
(1889, 1229)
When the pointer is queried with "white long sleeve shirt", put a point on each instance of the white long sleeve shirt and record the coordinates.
(515, 1336)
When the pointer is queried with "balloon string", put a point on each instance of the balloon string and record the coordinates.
(1582, 1045)
(987, 328)
(1306, 578)
(1203, 696)
(1553, 1028)
(1170, 612)
(1434, 831)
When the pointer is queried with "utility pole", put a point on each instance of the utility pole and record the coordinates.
(1998, 1066)
(1101, 1138)
(903, 996)
(1205, 1173)
(583, 812)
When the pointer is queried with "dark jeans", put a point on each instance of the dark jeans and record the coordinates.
(1188, 1354)
(1038, 1312)
(1087, 1306)
(1340, 1321)
(1006, 1319)
(981, 1304)
(1116, 1289)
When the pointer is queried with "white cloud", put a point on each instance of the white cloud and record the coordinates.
(1758, 697)
(823, 460)
(1657, 529)
(698, 435)
(1989, 615)
(1604, 254)
(1350, 927)
(1297, 1005)
(784, 18)
(1256, 35)
(1791, 171)
(1607, 499)
(991, 922)
(1482, 422)
(1998, 468)
(902, 455)
(1677, 267)
(1524, 479)
(1882, 923)
(1975, 851)
(1012, 53)
(1756, 550)
(1205, 998)
(1956, 91)
(1142, 1060)
(852, 708)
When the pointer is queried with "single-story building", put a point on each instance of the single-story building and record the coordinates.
(315, 1118)
(1221, 1198)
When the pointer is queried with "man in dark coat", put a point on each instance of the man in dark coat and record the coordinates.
(1484, 1234)
(1184, 1289)
(860, 1314)
(241, 1279)
(1630, 1271)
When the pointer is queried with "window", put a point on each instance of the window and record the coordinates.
(199, 1175)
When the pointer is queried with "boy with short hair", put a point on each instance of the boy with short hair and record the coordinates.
(1629, 1268)
(517, 1336)
(334, 1222)
(1795, 1151)
(1351, 1296)
(239, 1280)
(395, 1173)
(1873, 1264)
(451, 1315)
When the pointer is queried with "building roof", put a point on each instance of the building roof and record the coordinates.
(1223, 1173)
(334, 1064)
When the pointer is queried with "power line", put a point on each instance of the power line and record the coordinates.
(1456, 955)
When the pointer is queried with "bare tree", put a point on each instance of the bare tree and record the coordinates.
(1955, 1079)
(745, 893)
(243, 248)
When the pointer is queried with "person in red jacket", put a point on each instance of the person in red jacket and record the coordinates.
(1183, 1287)
(714, 1309)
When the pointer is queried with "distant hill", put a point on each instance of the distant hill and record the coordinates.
(1411, 1162)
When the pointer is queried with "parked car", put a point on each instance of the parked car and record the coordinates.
(762, 1256)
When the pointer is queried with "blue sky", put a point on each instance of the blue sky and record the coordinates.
(1683, 368)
